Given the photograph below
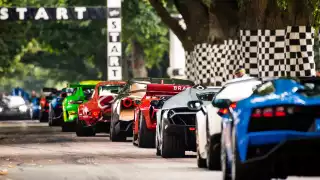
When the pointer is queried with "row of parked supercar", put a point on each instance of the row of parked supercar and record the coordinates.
(260, 128)
(108, 106)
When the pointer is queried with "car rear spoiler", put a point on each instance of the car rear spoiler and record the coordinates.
(163, 81)
(304, 80)
(165, 89)
(79, 85)
(49, 90)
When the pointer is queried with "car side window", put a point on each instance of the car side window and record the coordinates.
(75, 91)
(93, 94)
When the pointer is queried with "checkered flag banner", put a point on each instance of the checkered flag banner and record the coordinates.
(263, 53)
(249, 51)
(189, 70)
(218, 64)
(299, 51)
(202, 63)
(271, 53)
(233, 59)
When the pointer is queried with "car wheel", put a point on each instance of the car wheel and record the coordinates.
(200, 161)
(225, 165)
(213, 153)
(146, 137)
(158, 152)
(31, 114)
(134, 139)
(240, 172)
(65, 127)
(84, 131)
(50, 118)
(171, 146)
(114, 137)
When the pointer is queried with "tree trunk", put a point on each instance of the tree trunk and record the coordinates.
(138, 62)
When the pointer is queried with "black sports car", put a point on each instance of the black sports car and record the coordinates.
(175, 131)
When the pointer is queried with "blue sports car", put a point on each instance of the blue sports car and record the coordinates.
(20, 92)
(275, 133)
(35, 108)
(55, 109)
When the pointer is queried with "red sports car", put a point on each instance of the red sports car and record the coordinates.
(145, 114)
(94, 115)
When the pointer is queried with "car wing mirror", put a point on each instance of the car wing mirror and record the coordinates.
(195, 105)
(222, 103)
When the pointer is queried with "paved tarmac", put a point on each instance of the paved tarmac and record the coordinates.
(30, 150)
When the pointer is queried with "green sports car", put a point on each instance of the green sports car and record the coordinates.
(82, 93)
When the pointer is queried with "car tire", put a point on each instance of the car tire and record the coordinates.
(134, 139)
(43, 117)
(158, 151)
(114, 137)
(201, 162)
(50, 123)
(172, 146)
(213, 161)
(67, 127)
(84, 131)
(31, 114)
(240, 172)
(225, 166)
(146, 137)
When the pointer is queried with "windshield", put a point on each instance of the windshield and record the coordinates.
(237, 91)
(49, 98)
(206, 96)
(87, 92)
(109, 89)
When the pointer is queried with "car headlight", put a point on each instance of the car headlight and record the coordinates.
(23, 108)
(1, 109)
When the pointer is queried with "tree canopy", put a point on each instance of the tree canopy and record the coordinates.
(73, 50)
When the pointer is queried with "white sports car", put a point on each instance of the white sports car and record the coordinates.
(209, 120)
(14, 107)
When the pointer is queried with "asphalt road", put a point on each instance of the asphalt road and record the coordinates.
(33, 151)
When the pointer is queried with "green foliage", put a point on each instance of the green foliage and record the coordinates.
(282, 4)
(37, 53)
(143, 25)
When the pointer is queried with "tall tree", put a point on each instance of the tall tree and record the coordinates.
(212, 21)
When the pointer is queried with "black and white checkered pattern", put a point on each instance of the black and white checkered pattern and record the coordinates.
(233, 59)
(267, 53)
(299, 51)
(189, 70)
(249, 51)
(218, 55)
(271, 53)
(202, 64)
